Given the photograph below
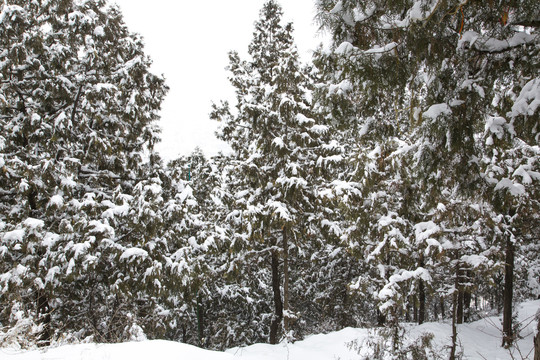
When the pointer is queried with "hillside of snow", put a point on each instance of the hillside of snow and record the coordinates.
(480, 340)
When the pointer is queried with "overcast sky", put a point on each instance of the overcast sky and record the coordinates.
(188, 42)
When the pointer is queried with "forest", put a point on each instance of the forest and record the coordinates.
(395, 178)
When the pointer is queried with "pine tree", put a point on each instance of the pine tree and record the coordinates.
(413, 82)
(77, 113)
(204, 240)
(282, 153)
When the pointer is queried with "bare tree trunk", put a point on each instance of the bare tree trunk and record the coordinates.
(421, 296)
(184, 334)
(508, 294)
(537, 340)
(414, 309)
(460, 296)
(381, 318)
(441, 300)
(286, 320)
(200, 321)
(454, 321)
(422, 302)
(44, 318)
(278, 305)
(467, 298)
(459, 316)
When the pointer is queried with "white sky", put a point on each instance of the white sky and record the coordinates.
(188, 42)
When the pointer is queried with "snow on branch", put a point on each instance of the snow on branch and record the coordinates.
(132, 253)
(346, 47)
(514, 189)
(437, 110)
(280, 210)
(424, 232)
(492, 45)
(382, 49)
(10, 12)
(391, 289)
(528, 100)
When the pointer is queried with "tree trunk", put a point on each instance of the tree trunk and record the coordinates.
(467, 298)
(44, 318)
(414, 312)
(381, 318)
(184, 334)
(422, 302)
(442, 307)
(454, 320)
(508, 294)
(460, 295)
(278, 305)
(286, 319)
(200, 321)
(459, 316)
(537, 340)
(421, 295)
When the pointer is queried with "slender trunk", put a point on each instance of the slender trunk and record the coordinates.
(459, 316)
(184, 334)
(537, 340)
(394, 324)
(44, 318)
(116, 322)
(467, 298)
(460, 281)
(278, 305)
(421, 295)
(286, 320)
(344, 315)
(442, 307)
(92, 315)
(200, 321)
(381, 318)
(414, 310)
(422, 302)
(75, 104)
(454, 320)
(508, 294)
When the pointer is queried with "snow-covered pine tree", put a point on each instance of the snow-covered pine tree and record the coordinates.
(203, 250)
(281, 156)
(365, 95)
(510, 162)
(78, 107)
(421, 75)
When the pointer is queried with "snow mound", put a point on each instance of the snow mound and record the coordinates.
(480, 340)
(153, 349)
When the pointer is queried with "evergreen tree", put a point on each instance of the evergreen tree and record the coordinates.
(77, 111)
(413, 81)
(203, 251)
(281, 153)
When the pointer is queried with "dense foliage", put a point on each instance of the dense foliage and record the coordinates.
(78, 111)
(394, 179)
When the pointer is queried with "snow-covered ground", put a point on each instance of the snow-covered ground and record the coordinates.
(480, 340)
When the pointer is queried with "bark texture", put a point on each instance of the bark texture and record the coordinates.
(286, 320)
(278, 304)
(508, 335)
